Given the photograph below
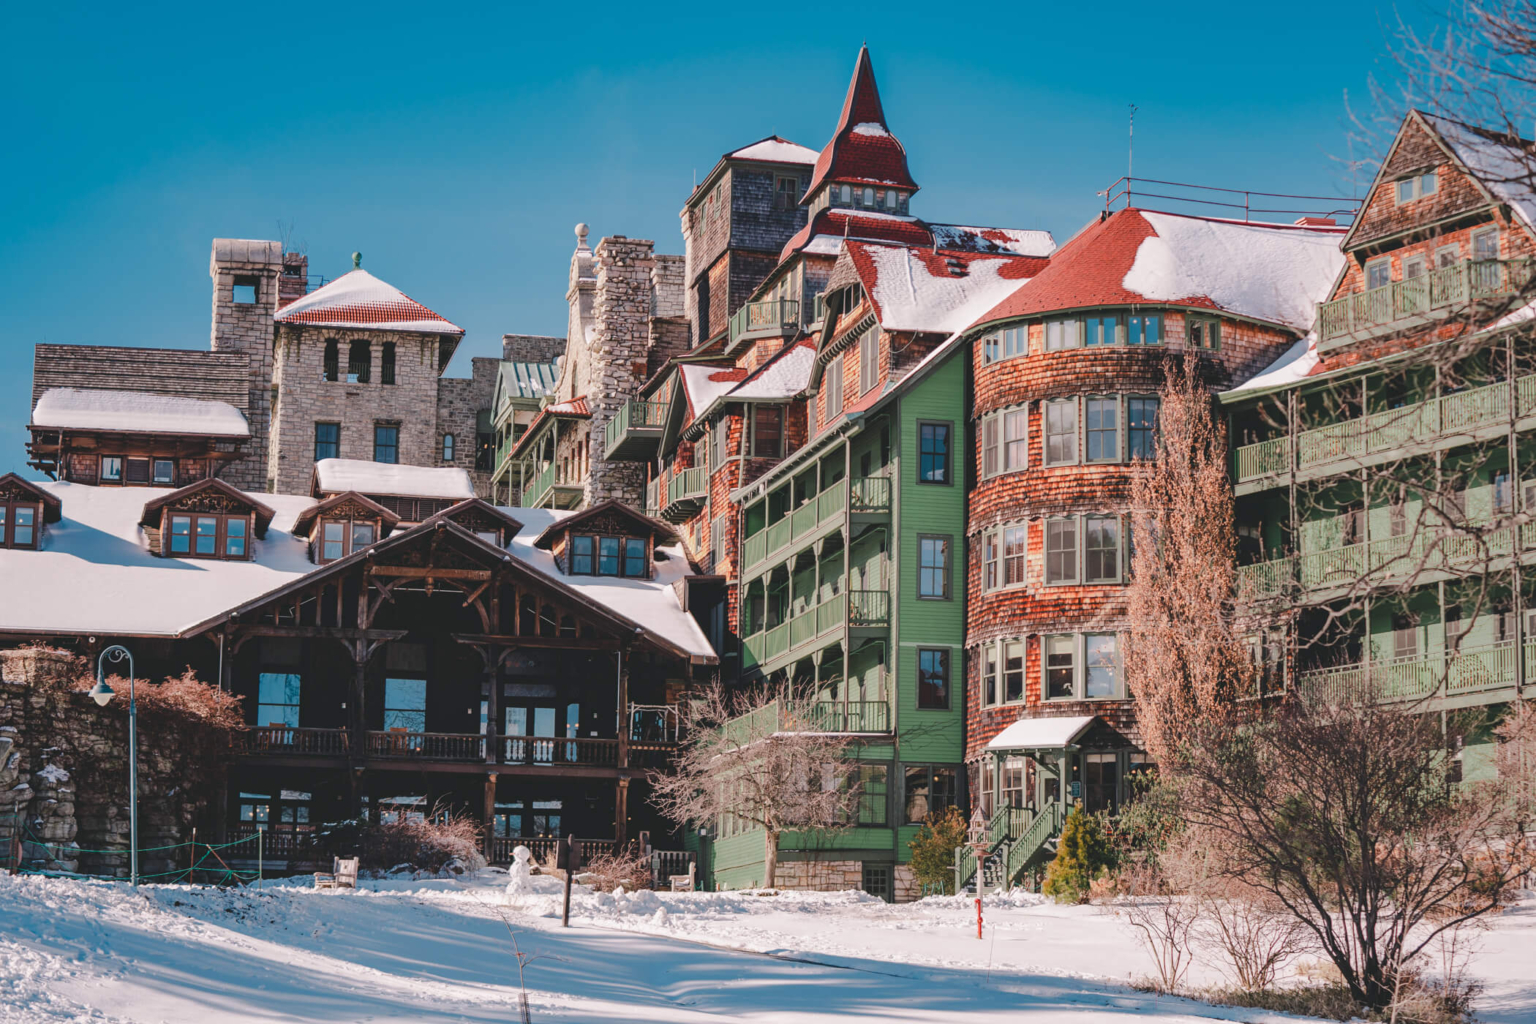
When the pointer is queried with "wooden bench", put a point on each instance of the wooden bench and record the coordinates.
(684, 883)
(343, 874)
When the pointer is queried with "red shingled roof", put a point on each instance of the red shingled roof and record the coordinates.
(576, 408)
(844, 223)
(358, 299)
(862, 150)
(1087, 271)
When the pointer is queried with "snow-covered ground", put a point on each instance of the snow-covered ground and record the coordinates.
(441, 951)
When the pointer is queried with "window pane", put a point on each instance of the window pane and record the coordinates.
(917, 795)
(634, 556)
(990, 682)
(386, 444)
(933, 567)
(405, 704)
(362, 535)
(991, 557)
(1059, 652)
(22, 529)
(991, 348)
(581, 556)
(181, 535)
(1102, 549)
(277, 696)
(1015, 548)
(608, 556)
(327, 441)
(1013, 671)
(333, 541)
(933, 455)
(234, 537)
(1102, 672)
(1061, 431)
(933, 679)
(989, 445)
(111, 468)
(1015, 433)
(1061, 551)
(207, 535)
(165, 471)
(1100, 330)
(1405, 190)
(1015, 341)
(768, 431)
(138, 471)
(1103, 437)
(1141, 427)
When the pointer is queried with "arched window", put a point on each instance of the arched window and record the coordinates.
(332, 370)
(387, 363)
(359, 360)
(447, 447)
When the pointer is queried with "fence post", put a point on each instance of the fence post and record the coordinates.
(260, 836)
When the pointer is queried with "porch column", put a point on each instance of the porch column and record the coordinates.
(622, 713)
(620, 812)
(490, 812)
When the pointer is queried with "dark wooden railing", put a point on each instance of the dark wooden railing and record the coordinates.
(430, 746)
(281, 739)
(276, 844)
(542, 847)
(559, 750)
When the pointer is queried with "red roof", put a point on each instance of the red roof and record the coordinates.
(862, 151)
(358, 299)
(844, 223)
(938, 290)
(1087, 271)
(576, 408)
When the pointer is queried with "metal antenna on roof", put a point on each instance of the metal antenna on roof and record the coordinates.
(1130, 154)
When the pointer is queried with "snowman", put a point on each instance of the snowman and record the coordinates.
(519, 876)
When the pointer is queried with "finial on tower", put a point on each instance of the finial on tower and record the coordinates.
(357, 261)
(581, 236)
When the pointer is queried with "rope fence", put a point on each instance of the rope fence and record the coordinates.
(206, 862)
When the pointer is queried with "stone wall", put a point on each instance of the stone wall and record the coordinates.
(64, 772)
(615, 363)
(531, 348)
(459, 403)
(839, 876)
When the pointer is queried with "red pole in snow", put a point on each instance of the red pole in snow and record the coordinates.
(978, 917)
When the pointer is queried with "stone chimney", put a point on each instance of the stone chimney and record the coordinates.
(246, 274)
(614, 365)
(293, 283)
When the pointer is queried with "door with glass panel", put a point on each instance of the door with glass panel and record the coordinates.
(533, 732)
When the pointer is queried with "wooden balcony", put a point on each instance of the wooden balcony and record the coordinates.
(812, 628)
(635, 431)
(282, 740)
(551, 489)
(1435, 423)
(831, 716)
(426, 746)
(1469, 676)
(677, 497)
(1402, 305)
(765, 319)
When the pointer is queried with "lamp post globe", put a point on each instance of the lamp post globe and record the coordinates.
(101, 693)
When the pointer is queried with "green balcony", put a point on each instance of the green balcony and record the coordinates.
(822, 512)
(677, 497)
(1402, 305)
(831, 716)
(551, 489)
(808, 629)
(1466, 676)
(635, 431)
(1446, 421)
(767, 319)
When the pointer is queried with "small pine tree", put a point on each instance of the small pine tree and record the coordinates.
(933, 851)
(1081, 856)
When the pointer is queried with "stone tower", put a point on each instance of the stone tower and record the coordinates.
(245, 276)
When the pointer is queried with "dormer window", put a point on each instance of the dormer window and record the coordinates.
(208, 536)
(341, 537)
(608, 556)
(208, 519)
(18, 525)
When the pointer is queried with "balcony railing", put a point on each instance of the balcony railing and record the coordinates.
(870, 716)
(634, 429)
(764, 319)
(285, 740)
(1422, 424)
(536, 750)
(809, 625)
(542, 847)
(1401, 304)
(1422, 676)
(869, 494)
(677, 496)
(869, 608)
(426, 746)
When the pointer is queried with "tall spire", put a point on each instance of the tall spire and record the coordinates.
(862, 151)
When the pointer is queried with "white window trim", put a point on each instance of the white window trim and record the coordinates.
(1080, 667)
(998, 650)
(1120, 434)
(996, 535)
(1080, 553)
(1045, 432)
(997, 422)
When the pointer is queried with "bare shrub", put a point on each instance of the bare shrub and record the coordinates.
(1165, 922)
(626, 867)
(427, 844)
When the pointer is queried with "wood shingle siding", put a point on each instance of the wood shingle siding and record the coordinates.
(187, 373)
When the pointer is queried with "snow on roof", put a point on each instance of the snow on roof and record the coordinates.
(917, 289)
(95, 574)
(1294, 364)
(870, 128)
(138, 412)
(775, 150)
(1023, 242)
(862, 148)
(1040, 733)
(783, 376)
(824, 245)
(358, 299)
(528, 380)
(1253, 270)
(650, 604)
(336, 475)
(1504, 165)
(1271, 272)
(703, 385)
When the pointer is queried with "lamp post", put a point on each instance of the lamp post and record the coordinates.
(101, 693)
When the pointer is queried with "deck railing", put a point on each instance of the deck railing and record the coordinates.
(536, 750)
(426, 746)
(869, 608)
(290, 740)
(1420, 676)
(770, 316)
(803, 626)
(809, 517)
(1401, 303)
(542, 847)
(635, 414)
(1422, 423)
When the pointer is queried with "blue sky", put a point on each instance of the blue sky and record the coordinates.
(457, 149)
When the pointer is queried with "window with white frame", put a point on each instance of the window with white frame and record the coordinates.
(869, 359)
(1063, 334)
(1005, 441)
(1061, 550)
(1058, 667)
(1002, 672)
(1061, 431)
(1013, 671)
(1081, 666)
(1007, 343)
(1101, 549)
(1485, 244)
(1204, 332)
(722, 438)
(1101, 428)
(1004, 556)
(1415, 186)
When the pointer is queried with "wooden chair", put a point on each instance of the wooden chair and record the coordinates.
(684, 883)
(343, 874)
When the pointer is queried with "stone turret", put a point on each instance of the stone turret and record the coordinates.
(245, 275)
(615, 361)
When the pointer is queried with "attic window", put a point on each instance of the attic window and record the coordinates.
(207, 536)
(245, 290)
(608, 556)
(18, 524)
(787, 193)
(1415, 187)
(341, 537)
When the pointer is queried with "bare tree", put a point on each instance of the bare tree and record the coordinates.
(759, 761)
(1185, 656)
(1347, 815)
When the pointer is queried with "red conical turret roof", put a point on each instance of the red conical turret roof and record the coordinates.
(862, 151)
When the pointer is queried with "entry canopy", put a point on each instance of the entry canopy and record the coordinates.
(1042, 733)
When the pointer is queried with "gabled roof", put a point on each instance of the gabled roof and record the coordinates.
(862, 149)
(703, 385)
(52, 506)
(773, 150)
(1274, 273)
(824, 233)
(654, 528)
(576, 409)
(151, 514)
(782, 376)
(305, 519)
(1503, 164)
(137, 412)
(526, 380)
(358, 299)
(472, 506)
(935, 291)
(332, 476)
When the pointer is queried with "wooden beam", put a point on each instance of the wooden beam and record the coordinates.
(546, 642)
(419, 572)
